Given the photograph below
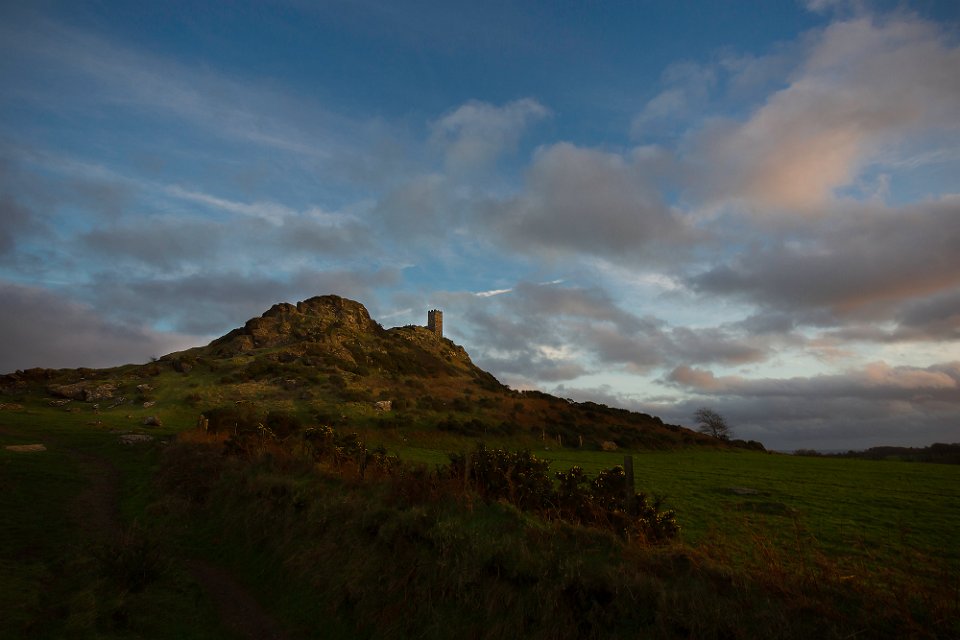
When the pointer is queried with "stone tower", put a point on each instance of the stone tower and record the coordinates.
(435, 322)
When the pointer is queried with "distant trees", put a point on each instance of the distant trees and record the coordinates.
(712, 423)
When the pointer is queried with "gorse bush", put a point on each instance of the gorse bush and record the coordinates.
(519, 477)
(522, 479)
(604, 501)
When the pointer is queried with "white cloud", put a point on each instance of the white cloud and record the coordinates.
(688, 85)
(270, 211)
(491, 293)
(477, 133)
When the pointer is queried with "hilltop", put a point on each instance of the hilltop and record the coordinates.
(325, 360)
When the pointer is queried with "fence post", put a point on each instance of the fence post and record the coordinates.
(628, 482)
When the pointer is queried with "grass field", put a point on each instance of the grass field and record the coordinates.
(75, 545)
(891, 526)
(869, 517)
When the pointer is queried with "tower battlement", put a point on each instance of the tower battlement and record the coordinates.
(435, 322)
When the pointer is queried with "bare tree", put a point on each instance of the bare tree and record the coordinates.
(712, 423)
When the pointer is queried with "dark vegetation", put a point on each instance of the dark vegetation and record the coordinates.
(712, 424)
(492, 546)
(938, 452)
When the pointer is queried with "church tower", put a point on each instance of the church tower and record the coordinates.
(435, 322)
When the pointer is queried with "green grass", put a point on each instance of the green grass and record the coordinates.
(868, 516)
(884, 525)
(57, 580)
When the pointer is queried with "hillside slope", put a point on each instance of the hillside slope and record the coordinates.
(324, 360)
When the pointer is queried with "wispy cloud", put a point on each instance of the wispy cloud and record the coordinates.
(491, 293)
(476, 133)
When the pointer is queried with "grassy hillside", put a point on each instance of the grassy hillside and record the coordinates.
(324, 361)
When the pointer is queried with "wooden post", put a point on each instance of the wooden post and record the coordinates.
(628, 482)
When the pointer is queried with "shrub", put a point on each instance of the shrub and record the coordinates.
(521, 479)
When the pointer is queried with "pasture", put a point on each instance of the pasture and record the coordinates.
(798, 533)
(868, 520)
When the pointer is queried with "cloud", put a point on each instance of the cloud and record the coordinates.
(687, 86)
(491, 293)
(213, 302)
(42, 329)
(864, 262)
(422, 207)
(548, 333)
(270, 211)
(580, 200)
(170, 243)
(14, 221)
(836, 6)
(866, 87)
(876, 380)
(97, 73)
(868, 406)
(475, 134)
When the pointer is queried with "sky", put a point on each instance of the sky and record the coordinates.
(660, 205)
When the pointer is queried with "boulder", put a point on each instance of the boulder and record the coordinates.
(152, 421)
(85, 391)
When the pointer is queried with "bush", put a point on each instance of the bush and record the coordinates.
(521, 479)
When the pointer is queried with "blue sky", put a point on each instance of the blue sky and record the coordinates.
(751, 206)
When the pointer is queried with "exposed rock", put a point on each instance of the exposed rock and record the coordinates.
(149, 403)
(85, 391)
(25, 448)
(152, 421)
(743, 491)
(314, 320)
(135, 438)
(144, 388)
(383, 405)
(10, 406)
(182, 366)
(59, 403)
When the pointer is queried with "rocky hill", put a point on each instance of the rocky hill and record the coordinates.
(325, 361)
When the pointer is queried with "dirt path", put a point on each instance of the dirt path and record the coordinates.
(239, 610)
(98, 512)
(97, 506)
